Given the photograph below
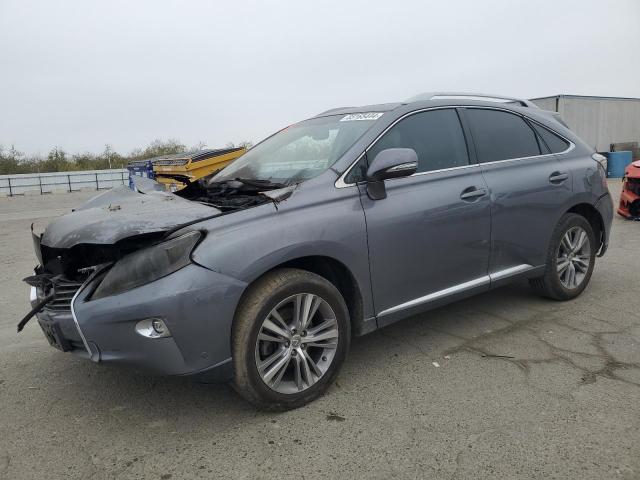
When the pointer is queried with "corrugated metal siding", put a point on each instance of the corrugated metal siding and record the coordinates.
(598, 121)
(602, 122)
(546, 103)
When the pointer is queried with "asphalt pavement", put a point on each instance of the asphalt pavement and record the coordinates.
(505, 385)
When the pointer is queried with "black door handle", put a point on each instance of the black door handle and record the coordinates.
(472, 193)
(558, 177)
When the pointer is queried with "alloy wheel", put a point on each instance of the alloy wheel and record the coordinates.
(296, 343)
(574, 257)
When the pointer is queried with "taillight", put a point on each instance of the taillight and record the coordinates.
(601, 160)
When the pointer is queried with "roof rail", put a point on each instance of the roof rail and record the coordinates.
(471, 96)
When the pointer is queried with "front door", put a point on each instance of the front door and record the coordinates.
(429, 239)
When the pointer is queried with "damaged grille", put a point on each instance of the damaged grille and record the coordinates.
(633, 185)
(64, 291)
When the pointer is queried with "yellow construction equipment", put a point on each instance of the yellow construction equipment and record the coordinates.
(176, 171)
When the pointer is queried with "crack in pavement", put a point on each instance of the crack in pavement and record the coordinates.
(6, 461)
(556, 353)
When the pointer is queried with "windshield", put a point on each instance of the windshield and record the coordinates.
(301, 151)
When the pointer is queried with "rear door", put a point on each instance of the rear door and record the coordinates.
(429, 239)
(527, 183)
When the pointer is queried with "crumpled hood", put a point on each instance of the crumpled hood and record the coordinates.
(120, 213)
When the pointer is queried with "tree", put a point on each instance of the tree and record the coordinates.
(13, 161)
(56, 161)
(9, 160)
(242, 144)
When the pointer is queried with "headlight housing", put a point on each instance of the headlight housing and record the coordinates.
(149, 264)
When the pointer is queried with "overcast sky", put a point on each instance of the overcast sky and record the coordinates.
(79, 74)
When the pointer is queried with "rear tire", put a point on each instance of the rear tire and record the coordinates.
(570, 259)
(284, 357)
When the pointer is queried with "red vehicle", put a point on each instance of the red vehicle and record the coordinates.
(630, 196)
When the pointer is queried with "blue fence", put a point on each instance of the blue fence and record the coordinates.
(62, 181)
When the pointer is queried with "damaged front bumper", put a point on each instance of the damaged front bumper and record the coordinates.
(629, 206)
(196, 304)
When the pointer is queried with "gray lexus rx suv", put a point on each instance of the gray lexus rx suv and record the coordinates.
(331, 228)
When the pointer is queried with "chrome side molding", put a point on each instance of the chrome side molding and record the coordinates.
(437, 295)
(477, 282)
(509, 272)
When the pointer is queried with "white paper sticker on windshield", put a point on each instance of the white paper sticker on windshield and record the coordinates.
(361, 116)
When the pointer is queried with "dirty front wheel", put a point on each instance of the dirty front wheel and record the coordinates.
(570, 259)
(290, 335)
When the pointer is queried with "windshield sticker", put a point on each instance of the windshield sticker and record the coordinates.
(361, 116)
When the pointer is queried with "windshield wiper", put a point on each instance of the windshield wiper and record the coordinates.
(257, 183)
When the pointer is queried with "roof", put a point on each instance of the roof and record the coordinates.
(586, 97)
(383, 107)
(437, 98)
(482, 97)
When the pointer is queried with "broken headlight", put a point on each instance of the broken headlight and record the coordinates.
(146, 265)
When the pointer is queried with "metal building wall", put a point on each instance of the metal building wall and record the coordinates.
(548, 103)
(598, 121)
(601, 122)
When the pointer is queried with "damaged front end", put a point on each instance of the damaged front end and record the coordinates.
(629, 206)
(100, 232)
(52, 297)
(115, 274)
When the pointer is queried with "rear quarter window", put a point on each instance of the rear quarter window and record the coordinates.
(555, 143)
(500, 135)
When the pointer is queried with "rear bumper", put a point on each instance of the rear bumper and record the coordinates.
(195, 303)
(605, 207)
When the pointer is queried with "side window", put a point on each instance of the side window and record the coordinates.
(435, 135)
(553, 141)
(500, 135)
(358, 173)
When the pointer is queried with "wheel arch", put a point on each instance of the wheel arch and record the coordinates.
(336, 273)
(593, 216)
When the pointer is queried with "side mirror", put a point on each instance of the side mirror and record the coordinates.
(389, 163)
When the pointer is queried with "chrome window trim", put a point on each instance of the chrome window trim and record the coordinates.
(571, 144)
(571, 147)
(440, 170)
(340, 182)
(461, 287)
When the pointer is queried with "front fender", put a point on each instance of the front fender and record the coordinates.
(245, 245)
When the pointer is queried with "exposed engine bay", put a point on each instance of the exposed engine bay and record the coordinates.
(121, 221)
(232, 195)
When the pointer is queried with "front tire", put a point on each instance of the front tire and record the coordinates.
(570, 259)
(290, 336)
